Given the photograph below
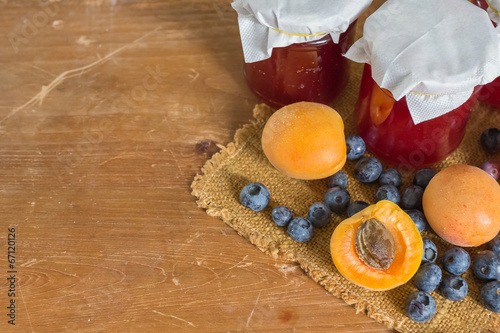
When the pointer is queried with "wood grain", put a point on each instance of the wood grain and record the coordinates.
(95, 172)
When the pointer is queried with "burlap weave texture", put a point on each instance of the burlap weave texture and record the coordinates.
(241, 162)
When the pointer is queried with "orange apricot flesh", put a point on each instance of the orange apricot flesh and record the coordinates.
(305, 140)
(408, 248)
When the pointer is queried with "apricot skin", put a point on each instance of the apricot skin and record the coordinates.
(462, 205)
(305, 140)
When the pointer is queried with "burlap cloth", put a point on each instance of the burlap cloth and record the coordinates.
(218, 186)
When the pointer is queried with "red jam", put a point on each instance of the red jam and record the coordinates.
(389, 132)
(314, 72)
(490, 93)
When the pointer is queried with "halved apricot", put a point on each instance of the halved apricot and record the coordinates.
(408, 248)
(305, 140)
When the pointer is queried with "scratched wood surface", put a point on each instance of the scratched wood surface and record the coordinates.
(108, 109)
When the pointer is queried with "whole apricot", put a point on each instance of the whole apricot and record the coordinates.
(462, 205)
(305, 140)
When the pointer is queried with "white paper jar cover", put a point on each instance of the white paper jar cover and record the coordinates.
(266, 24)
(494, 10)
(432, 52)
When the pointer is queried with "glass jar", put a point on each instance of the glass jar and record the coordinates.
(313, 71)
(389, 132)
(490, 94)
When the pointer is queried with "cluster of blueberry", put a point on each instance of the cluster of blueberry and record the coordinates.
(420, 305)
(256, 196)
(337, 199)
(368, 170)
(490, 141)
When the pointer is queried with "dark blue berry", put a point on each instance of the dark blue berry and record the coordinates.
(492, 168)
(338, 179)
(355, 147)
(420, 306)
(486, 265)
(356, 207)
(337, 199)
(494, 244)
(390, 177)
(428, 277)
(430, 251)
(490, 295)
(255, 196)
(456, 260)
(388, 192)
(418, 218)
(490, 140)
(368, 169)
(300, 229)
(454, 288)
(282, 215)
(412, 197)
(423, 177)
(319, 214)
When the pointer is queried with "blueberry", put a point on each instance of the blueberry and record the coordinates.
(282, 215)
(423, 177)
(490, 295)
(255, 196)
(388, 192)
(486, 265)
(337, 199)
(300, 229)
(319, 214)
(368, 169)
(420, 306)
(356, 207)
(338, 179)
(456, 261)
(418, 218)
(428, 277)
(490, 140)
(492, 168)
(454, 288)
(412, 197)
(430, 251)
(390, 177)
(494, 244)
(355, 147)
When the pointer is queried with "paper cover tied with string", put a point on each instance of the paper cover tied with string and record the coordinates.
(434, 53)
(266, 24)
(494, 10)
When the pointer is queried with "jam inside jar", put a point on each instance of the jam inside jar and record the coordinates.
(313, 71)
(490, 93)
(389, 132)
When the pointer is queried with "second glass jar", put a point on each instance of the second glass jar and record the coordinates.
(390, 133)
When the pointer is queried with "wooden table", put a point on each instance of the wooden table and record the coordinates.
(108, 109)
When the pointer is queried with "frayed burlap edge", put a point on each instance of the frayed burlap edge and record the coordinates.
(267, 245)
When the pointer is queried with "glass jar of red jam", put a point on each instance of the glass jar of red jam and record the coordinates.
(313, 71)
(390, 133)
(490, 93)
